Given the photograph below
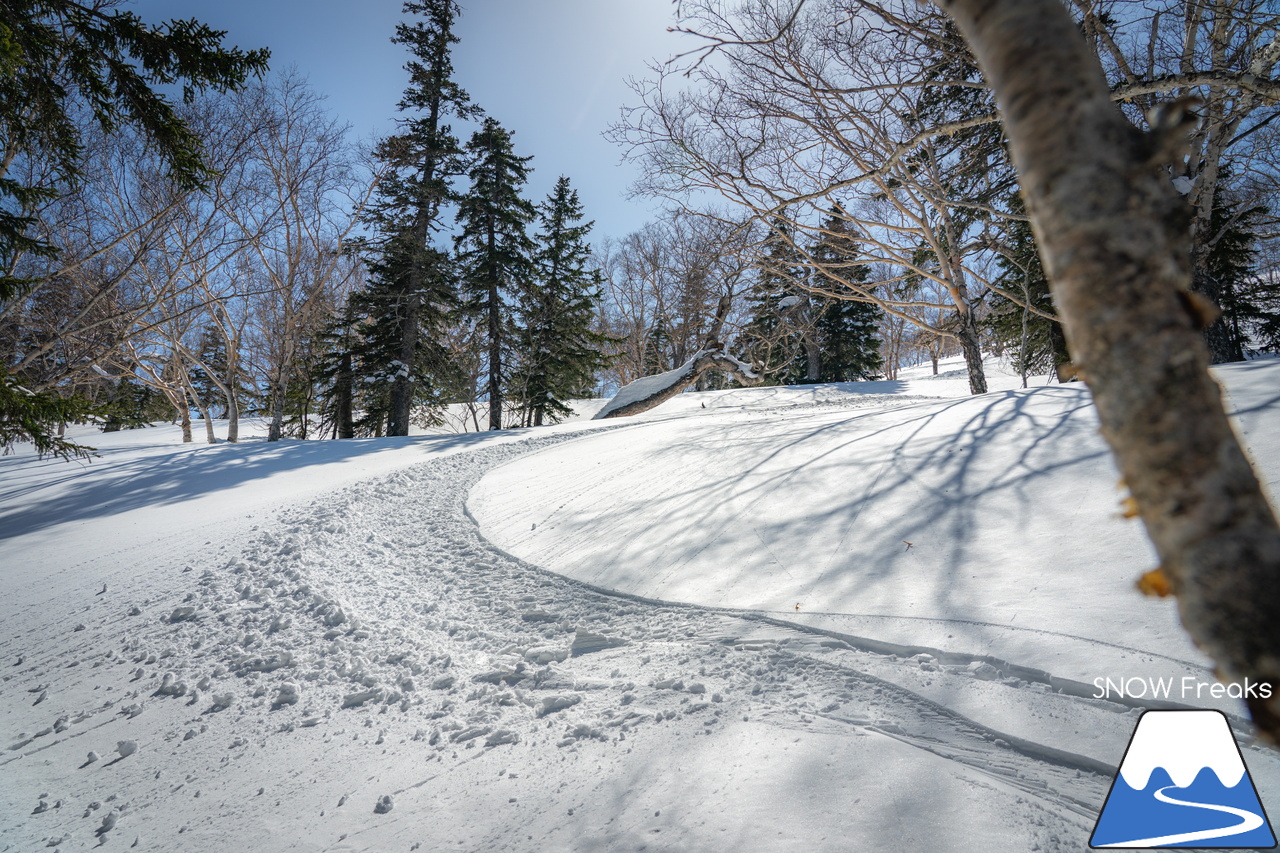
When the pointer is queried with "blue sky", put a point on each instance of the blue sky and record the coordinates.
(552, 71)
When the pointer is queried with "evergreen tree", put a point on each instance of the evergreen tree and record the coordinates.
(771, 339)
(657, 343)
(411, 289)
(334, 371)
(973, 171)
(212, 353)
(1036, 343)
(60, 61)
(1248, 302)
(133, 405)
(494, 252)
(559, 352)
(844, 329)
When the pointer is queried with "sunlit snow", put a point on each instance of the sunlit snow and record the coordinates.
(863, 616)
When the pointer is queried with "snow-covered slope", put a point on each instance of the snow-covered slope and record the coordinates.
(290, 633)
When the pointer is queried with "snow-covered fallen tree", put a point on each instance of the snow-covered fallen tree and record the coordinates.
(649, 391)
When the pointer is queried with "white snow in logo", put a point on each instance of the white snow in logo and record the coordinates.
(1183, 743)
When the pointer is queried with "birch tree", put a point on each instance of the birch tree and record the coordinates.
(1113, 233)
(1224, 54)
(302, 196)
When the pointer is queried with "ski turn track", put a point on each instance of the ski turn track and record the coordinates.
(369, 674)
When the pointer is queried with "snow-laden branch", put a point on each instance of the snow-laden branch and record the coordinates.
(649, 391)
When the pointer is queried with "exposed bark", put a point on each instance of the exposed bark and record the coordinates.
(664, 386)
(495, 355)
(276, 428)
(343, 392)
(812, 358)
(967, 335)
(1114, 234)
(184, 413)
(206, 414)
(233, 407)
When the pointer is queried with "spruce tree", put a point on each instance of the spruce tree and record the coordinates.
(411, 289)
(59, 63)
(494, 252)
(212, 353)
(1036, 343)
(132, 405)
(559, 353)
(1247, 302)
(845, 329)
(771, 339)
(335, 371)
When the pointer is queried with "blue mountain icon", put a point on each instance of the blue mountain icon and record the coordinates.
(1183, 783)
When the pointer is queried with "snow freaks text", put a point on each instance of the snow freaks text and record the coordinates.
(1187, 687)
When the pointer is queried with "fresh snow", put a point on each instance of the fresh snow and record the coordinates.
(647, 386)
(585, 637)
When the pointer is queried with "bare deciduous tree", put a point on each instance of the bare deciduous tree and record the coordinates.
(1113, 234)
(302, 198)
(802, 116)
(664, 288)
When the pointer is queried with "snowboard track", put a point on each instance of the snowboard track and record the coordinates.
(457, 645)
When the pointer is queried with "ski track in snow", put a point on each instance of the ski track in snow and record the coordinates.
(418, 663)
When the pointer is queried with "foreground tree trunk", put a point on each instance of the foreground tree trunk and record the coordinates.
(1114, 237)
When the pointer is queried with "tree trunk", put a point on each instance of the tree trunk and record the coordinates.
(1061, 357)
(233, 383)
(649, 392)
(276, 429)
(967, 335)
(402, 386)
(208, 425)
(185, 413)
(233, 414)
(812, 359)
(495, 358)
(345, 425)
(1113, 233)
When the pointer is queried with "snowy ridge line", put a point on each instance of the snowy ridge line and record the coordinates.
(875, 402)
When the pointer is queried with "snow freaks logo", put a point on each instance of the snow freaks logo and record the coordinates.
(1182, 783)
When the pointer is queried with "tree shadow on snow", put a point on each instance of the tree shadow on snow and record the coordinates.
(122, 480)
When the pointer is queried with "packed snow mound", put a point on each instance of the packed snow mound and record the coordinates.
(913, 516)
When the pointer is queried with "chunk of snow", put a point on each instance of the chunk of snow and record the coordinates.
(586, 642)
(552, 704)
